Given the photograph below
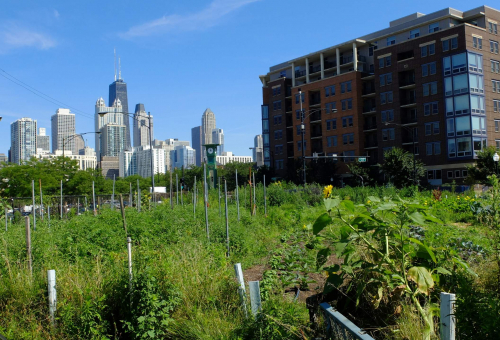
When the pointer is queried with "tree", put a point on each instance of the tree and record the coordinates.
(484, 166)
(359, 171)
(398, 166)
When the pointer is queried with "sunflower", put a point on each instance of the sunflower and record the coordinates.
(327, 191)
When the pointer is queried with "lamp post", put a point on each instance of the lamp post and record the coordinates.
(496, 158)
(102, 114)
(303, 131)
(71, 137)
(413, 140)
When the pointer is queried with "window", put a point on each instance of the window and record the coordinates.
(277, 90)
(279, 164)
(433, 148)
(449, 174)
(451, 43)
(388, 134)
(391, 41)
(346, 104)
(347, 121)
(299, 145)
(331, 124)
(450, 127)
(414, 33)
(385, 79)
(495, 66)
(387, 116)
(297, 114)
(496, 105)
(278, 149)
(345, 87)
(434, 27)
(452, 148)
(492, 26)
(433, 174)
(329, 107)
(461, 104)
(297, 96)
(381, 63)
(331, 141)
(277, 120)
(348, 159)
(430, 88)
(278, 134)
(277, 105)
(428, 69)
(495, 85)
(475, 62)
(494, 46)
(432, 49)
(476, 83)
(478, 144)
(388, 61)
(477, 43)
(456, 85)
(330, 91)
(299, 131)
(430, 108)
(423, 51)
(348, 139)
(497, 125)
(478, 125)
(386, 97)
(462, 126)
(432, 128)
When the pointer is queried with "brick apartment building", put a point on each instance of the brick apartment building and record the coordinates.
(435, 77)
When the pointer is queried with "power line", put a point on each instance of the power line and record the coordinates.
(42, 95)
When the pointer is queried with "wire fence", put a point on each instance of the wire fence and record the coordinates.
(338, 327)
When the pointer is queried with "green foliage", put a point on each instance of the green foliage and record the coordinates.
(398, 167)
(484, 166)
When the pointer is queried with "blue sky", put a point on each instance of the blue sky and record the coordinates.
(177, 57)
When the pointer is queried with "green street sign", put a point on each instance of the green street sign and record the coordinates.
(362, 159)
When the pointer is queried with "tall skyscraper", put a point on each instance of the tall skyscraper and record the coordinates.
(207, 126)
(196, 138)
(42, 141)
(258, 151)
(218, 138)
(183, 156)
(79, 146)
(113, 117)
(141, 123)
(118, 90)
(63, 126)
(22, 140)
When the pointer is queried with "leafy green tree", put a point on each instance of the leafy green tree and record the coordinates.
(359, 171)
(484, 166)
(398, 166)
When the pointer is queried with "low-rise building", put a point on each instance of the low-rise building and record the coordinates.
(228, 157)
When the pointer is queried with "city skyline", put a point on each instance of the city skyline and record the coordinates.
(65, 51)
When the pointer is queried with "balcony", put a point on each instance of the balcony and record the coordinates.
(409, 120)
(299, 74)
(371, 144)
(314, 69)
(316, 133)
(408, 102)
(330, 64)
(370, 126)
(346, 60)
(408, 139)
(368, 92)
(315, 117)
(369, 109)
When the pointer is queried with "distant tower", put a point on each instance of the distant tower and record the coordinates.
(141, 123)
(207, 126)
(118, 90)
(218, 138)
(196, 137)
(43, 141)
(63, 126)
(22, 140)
(111, 141)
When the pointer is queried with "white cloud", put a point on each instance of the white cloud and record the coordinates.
(14, 36)
(56, 13)
(206, 18)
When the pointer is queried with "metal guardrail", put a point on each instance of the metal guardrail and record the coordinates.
(338, 327)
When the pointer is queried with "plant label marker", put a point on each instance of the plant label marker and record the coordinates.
(52, 293)
(241, 288)
(129, 251)
(447, 321)
(255, 302)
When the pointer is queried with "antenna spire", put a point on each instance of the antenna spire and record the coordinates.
(119, 69)
(114, 52)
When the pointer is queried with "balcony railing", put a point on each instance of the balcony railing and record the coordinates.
(370, 126)
(330, 64)
(316, 133)
(370, 108)
(408, 101)
(371, 143)
(314, 69)
(407, 82)
(368, 90)
(315, 116)
(345, 60)
(409, 120)
(300, 73)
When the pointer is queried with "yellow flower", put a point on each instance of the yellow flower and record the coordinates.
(368, 202)
(327, 191)
(425, 203)
(304, 227)
(326, 273)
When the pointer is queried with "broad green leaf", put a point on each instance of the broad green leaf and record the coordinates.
(348, 205)
(359, 290)
(387, 206)
(374, 199)
(333, 269)
(442, 270)
(322, 257)
(422, 277)
(321, 222)
(464, 266)
(435, 277)
(333, 281)
(331, 203)
(417, 217)
(424, 251)
(345, 231)
(339, 248)
(431, 218)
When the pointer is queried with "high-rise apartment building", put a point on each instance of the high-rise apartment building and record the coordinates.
(118, 90)
(141, 124)
(112, 140)
(42, 141)
(427, 83)
(183, 156)
(79, 145)
(22, 140)
(207, 126)
(258, 151)
(169, 145)
(138, 161)
(196, 140)
(218, 138)
(63, 127)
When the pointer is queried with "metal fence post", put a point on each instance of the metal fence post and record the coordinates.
(93, 198)
(61, 201)
(52, 293)
(130, 196)
(113, 195)
(447, 321)
(237, 196)
(171, 185)
(205, 197)
(6, 222)
(41, 199)
(177, 187)
(265, 198)
(254, 197)
(227, 216)
(28, 243)
(255, 302)
(218, 180)
(194, 198)
(241, 288)
(33, 210)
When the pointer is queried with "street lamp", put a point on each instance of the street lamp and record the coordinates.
(303, 131)
(102, 114)
(1, 118)
(68, 138)
(413, 140)
(496, 158)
